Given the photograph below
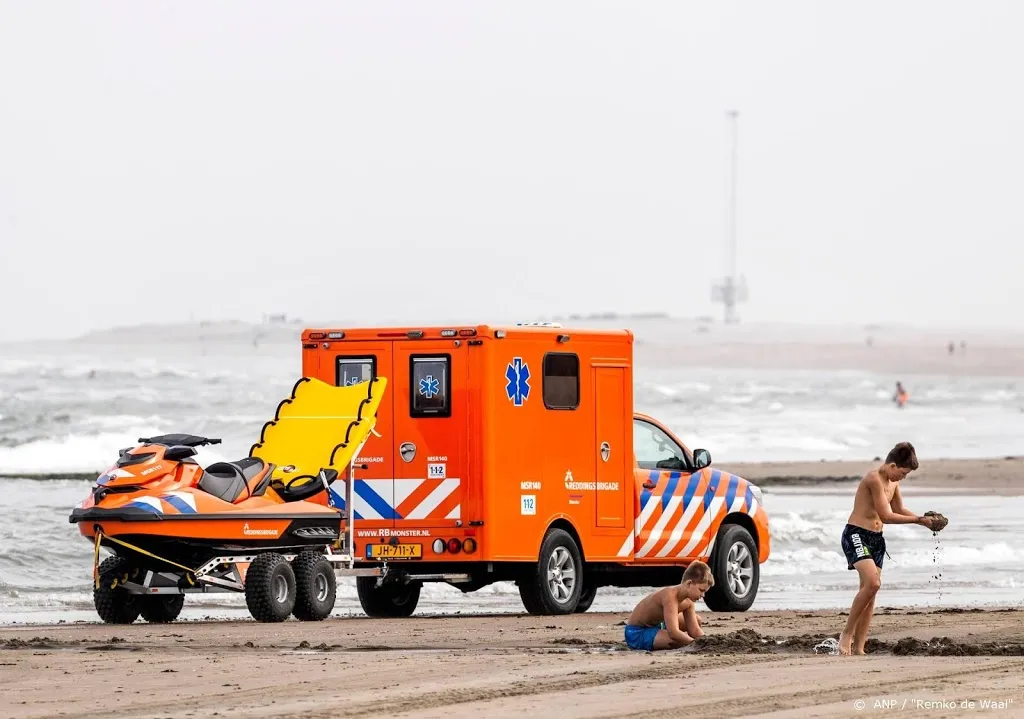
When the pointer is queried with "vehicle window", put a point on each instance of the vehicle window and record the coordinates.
(430, 394)
(655, 450)
(354, 370)
(561, 381)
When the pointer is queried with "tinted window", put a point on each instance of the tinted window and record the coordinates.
(561, 381)
(429, 386)
(354, 370)
(654, 449)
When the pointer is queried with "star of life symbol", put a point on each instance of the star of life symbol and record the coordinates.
(429, 386)
(518, 386)
(353, 380)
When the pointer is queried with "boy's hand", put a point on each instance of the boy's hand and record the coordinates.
(935, 521)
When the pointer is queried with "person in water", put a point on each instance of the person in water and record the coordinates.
(876, 503)
(901, 396)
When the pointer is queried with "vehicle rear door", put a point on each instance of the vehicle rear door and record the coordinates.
(429, 441)
(354, 363)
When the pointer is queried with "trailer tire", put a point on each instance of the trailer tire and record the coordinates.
(114, 604)
(316, 586)
(736, 570)
(162, 609)
(559, 561)
(587, 597)
(270, 588)
(394, 600)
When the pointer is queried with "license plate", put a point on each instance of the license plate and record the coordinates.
(394, 551)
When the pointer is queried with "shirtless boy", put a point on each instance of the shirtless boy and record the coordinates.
(877, 502)
(657, 621)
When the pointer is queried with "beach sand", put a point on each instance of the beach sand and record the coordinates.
(495, 666)
(999, 476)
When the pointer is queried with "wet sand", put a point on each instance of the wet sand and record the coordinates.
(494, 666)
(997, 476)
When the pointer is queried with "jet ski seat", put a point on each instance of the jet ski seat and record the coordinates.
(228, 480)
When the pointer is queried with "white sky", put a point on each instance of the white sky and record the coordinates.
(342, 160)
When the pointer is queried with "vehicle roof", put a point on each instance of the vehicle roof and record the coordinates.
(510, 331)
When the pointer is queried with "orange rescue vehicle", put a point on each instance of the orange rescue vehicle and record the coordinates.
(513, 454)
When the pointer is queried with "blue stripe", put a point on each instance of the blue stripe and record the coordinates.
(712, 487)
(339, 502)
(375, 500)
(143, 505)
(670, 488)
(645, 497)
(180, 504)
(749, 497)
(730, 494)
(691, 487)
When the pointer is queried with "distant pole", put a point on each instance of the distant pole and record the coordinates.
(733, 115)
(731, 290)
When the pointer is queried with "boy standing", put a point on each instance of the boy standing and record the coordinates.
(877, 502)
(657, 621)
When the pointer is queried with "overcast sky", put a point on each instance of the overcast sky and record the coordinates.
(389, 160)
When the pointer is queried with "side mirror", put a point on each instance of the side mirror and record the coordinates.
(701, 458)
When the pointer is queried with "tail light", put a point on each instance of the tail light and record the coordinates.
(454, 545)
(469, 546)
(438, 546)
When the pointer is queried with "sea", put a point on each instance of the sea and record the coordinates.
(66, 409)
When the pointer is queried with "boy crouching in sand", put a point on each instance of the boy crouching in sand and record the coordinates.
(655, 622)
(877, 502)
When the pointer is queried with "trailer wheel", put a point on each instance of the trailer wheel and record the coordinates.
(162, 609)
(113, 603)
(554, 584)
(270, 588)
(587, 597)
(736, 571)
(316, 586)
(394, 599)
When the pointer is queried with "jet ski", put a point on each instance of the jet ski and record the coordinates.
(168, 520)
(269, 525)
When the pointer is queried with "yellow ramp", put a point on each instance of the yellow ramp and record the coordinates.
(320, 425)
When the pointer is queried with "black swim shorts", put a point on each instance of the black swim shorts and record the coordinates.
(859, 543)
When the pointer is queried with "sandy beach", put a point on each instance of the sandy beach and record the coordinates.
(496, 666)
(996, 476)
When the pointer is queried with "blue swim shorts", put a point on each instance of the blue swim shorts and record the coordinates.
(642, 638)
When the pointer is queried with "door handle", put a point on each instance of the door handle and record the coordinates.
(648, 484)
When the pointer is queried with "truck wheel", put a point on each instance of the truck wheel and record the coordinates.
(554, 584)
(394, 599)
(270, 588)
(162, 609)
(113, 603)
(316, 586)
(587, 597)
(736, 571)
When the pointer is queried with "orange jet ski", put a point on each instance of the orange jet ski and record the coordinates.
(257, 525)
(167, 518)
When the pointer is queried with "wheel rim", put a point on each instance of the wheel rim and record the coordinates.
(739, 569)
(280, 589)
(321, 588)
(561, 575)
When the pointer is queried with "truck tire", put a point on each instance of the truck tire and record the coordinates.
(554, 584)
(270, 588)
(316, 586)
(157, 609)
(736, 570)
(587, 597)
(394, 599)
(114, 604)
